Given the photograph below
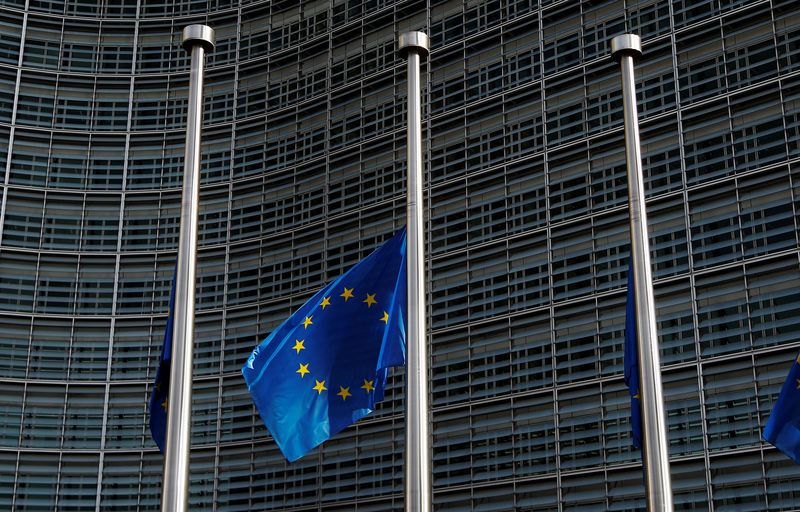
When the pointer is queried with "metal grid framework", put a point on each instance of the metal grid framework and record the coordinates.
(303, 175)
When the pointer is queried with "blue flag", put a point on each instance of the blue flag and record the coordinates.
(158, 400)
(783, 425)
(325, 367)
(632, 359)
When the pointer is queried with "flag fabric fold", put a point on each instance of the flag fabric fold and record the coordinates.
(158, 399)
(326, 366)
(783, 426)
(632, 359)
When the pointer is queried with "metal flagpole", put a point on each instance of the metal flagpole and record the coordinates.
(655, 454)
(414, 46)
(197, 39)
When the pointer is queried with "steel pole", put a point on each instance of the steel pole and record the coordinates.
(655, 453)
(197, 39)
(414, 46)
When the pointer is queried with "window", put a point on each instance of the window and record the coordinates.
(42, 427)
(749, 48)
(125, 422)
(111, 105)
(580, 436)
(157, 52)
(218, 97)
(575, 347)
(758, 134)
(707, 143)
(42, 42)
(95, 285)
(534, 436)
(714, 225)
(668, 244)
(608, 172)
(8, 81)
(766, 213)
(36, 97)
(650, 19)
(11, 412)
(701, 71)
(61, 226)
(529, 283)
(83, 419)
(68, 161)
(89, 350)
(149, 104)
(562, 38)
(136, 349)
(722, 312)
(675, 321)
(772, 297)
(17, 281)
(10, 41)
(77, 485)
(38, 475)
(106, 161)
(55, 289)
(23, 221)
(215, 155)
(565, 108)
(14, 341)
(79, 46)
(135, 286)
(115, 51)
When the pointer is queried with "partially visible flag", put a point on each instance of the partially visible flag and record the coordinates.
(632, 359)
(158, 400)
(783, 425)
(325, 367)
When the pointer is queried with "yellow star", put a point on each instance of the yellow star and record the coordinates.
(368, 385)
(798, 383)
(348, 292)
(344, 392)
(320, 387)
(158, 387)
(636, 396)
(326, 301)
(385, 318)
(370, 300)
(303, 370)
(298, 345)
(164, 404)
(307, 322)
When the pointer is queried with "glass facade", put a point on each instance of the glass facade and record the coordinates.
(303, 174)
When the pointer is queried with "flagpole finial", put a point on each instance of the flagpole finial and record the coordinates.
(417, 41)
(626, 44)
(198, 34)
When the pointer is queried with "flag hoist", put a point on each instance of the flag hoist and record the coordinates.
(197, 40)
(414, 46)
(655, 455)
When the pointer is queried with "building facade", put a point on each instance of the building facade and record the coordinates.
(303, 174)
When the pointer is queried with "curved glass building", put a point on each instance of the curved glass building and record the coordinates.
(303, 175)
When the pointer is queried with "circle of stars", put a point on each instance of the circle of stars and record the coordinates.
(319, 387)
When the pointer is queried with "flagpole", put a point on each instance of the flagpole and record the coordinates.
(414, 46)
(197, 39)
(655, 453)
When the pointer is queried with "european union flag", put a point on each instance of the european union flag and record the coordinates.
(158, 400)
(632, 359)
(783, 425)
(325, 367)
